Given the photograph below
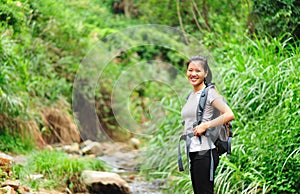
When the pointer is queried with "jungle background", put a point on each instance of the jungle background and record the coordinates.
(255, 44)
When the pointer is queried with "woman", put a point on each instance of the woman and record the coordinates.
(198, 74)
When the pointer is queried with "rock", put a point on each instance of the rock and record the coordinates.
(20, 160)
(26, 189)
(135, 143)
(5, 162)
(158, 182)
(44, 191)
(131, 176)
(35, 176)
(93, 148)
(87, 142)
(14, 184)
(72, 149)
(20, 190)
(7, 190)
(3, 155)
(105, 182)
(49, 148)
(90, 156)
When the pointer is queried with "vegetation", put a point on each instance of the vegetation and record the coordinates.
(254, 46)
(58, 170)
(276, 17)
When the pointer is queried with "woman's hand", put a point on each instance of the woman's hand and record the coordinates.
(200, 129)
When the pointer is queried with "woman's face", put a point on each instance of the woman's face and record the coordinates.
(195, 73)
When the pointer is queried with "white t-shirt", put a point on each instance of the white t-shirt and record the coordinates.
(189, 112)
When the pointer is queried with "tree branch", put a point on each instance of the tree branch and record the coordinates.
(199, 13)
(180, 22)
(195, 18)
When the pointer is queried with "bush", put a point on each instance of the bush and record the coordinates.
(276, 17)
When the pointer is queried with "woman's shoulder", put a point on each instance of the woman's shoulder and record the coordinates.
(213, 90)
(213, 94)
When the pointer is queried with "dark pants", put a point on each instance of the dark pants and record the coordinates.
(200, 166)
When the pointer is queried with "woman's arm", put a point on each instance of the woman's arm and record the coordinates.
(226, 116)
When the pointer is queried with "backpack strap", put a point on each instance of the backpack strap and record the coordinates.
(200, 111)
(187, 139)
(211, 169)
(229, 138)
(201, 106)
(202, 102)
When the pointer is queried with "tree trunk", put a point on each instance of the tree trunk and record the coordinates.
(127, 7)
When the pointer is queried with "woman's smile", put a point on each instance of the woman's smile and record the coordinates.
(193, 79)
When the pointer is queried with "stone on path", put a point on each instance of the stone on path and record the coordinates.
(105, 182)
(72, 149)
(135, 143)
(5, 163)
(7, 190)
(14, 184)
(93, 148)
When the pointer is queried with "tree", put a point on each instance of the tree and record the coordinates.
(276, 17)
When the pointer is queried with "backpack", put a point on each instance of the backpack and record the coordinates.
(221, 136)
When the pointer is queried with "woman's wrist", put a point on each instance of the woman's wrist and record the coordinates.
(208, 125)
(203, 127)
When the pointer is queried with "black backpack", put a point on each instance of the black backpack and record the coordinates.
(221, 136)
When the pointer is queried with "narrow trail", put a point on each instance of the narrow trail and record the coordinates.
(124, 163)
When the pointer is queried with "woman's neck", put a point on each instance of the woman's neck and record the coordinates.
(199, 87)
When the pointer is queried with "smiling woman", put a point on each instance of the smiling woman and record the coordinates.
(203, 162)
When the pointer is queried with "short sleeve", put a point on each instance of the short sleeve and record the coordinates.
(212, 95)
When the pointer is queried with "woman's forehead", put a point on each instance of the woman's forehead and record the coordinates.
(197, 64)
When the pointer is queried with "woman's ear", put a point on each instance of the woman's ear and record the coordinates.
(206, 73)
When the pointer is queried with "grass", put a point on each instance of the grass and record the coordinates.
(59, 170)
(13, 143)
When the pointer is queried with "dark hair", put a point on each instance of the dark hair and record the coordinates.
(205, 66)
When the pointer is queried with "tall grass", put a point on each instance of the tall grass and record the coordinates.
(262, 86)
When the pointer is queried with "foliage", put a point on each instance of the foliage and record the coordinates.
(42, 44)
(276, 17)
(206, 20)
(14, 143)
(58, 169)
(269, 101)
